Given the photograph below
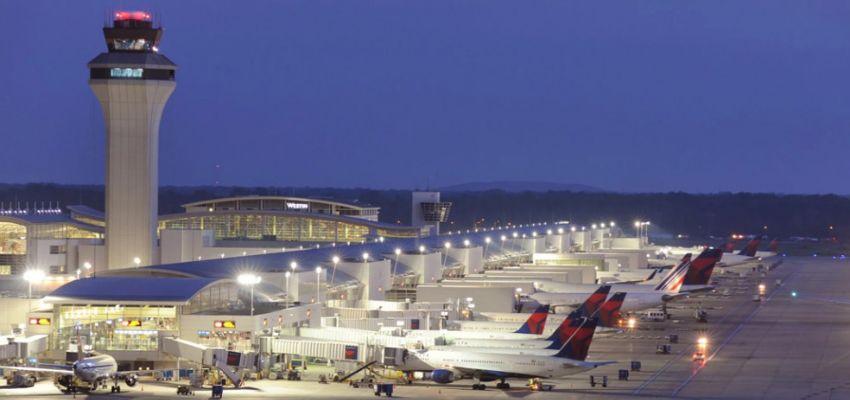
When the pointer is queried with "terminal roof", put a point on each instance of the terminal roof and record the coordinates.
(130, 289)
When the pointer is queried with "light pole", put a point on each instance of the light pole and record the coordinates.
(318, 283)
(32, 275)
(447, 245)
(250, 280)
(287, 275)
(87, 265)
(487, 241)
(365, 258)
(335, 261)
(395, 265)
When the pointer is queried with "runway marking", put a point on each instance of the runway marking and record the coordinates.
(677, 357)
(734, 333)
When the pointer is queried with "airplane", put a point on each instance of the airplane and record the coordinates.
(608, 315)
(533, 327)
(87, 373)
(748, 254)
(446, 366)
(639, 296)
(591, 305)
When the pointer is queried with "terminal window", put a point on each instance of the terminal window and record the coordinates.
(125, 73)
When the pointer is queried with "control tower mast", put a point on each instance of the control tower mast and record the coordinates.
(132, 81)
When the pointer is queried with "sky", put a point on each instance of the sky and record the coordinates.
(697, 96)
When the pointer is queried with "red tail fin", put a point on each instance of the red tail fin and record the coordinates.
(589, 307)
(752, 247)
(576, 347)
(609, 313)
(536, 321)
(774, 246)
(701, 267)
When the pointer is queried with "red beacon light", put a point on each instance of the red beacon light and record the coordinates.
(132, 15)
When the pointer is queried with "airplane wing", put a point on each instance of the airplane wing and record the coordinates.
(139, 372)
(58, 371)
(636, 281)
(587, 364)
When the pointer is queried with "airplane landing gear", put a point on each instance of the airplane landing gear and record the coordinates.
(478, 386)
(503, 385)
(116, 389)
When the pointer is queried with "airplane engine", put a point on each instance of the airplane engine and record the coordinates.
(442, 376)
(131, 380)
(65, 380)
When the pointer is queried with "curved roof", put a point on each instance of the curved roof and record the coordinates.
(308, 259)
(279, 198)
(329, 217)
(33, 219)
(128, 289)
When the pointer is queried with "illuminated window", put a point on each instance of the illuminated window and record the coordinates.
(60, 249)
(5, 270)
(125, 72)
(131, 44)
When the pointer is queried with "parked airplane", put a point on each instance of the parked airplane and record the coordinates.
(446, 366)
(532, 327)
(639, 296)
(749, 253)
(87, 374)
(609, 313)
(590, 307)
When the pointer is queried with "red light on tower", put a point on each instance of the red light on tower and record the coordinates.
(132, 15)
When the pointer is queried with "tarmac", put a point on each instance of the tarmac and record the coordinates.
(793, 344)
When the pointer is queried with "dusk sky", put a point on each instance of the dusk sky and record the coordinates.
(698, 96)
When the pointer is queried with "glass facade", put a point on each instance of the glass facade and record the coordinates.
(296, 228)
(113, 327)
(13, 238)
(61, 231)
(216, 298)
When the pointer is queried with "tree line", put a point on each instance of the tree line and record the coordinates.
(698, 215)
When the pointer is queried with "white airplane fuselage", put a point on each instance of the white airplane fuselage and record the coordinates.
(638, 297)
(95, 369)
(507, 364)
(453, 335)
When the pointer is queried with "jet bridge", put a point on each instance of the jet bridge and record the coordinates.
(230, 363)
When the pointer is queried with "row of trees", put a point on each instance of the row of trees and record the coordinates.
(698, 215)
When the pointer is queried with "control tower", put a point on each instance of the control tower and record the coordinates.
(132, 81)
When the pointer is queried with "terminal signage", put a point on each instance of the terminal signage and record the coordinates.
(40, 321)
(233, 358)
(131, 323)
(225, 324)
(297, 206)
(351, 352)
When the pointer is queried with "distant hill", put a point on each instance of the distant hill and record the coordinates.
(521, 186)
